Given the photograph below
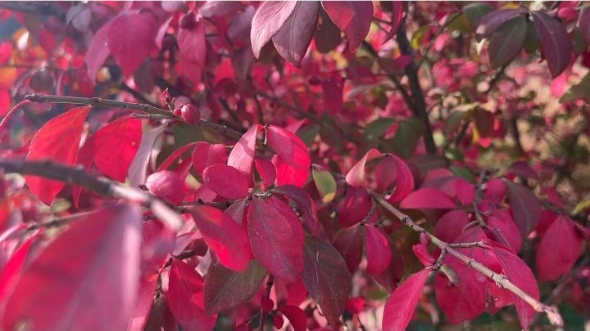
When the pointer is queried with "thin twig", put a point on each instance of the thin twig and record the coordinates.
(500, 280)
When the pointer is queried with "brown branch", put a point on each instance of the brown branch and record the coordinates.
(100, 185)
(500, 280)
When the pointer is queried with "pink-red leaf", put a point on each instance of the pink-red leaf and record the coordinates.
(293, 38)
(58, 141)
(267, 21)
(401, 304)
(305, 204)
(206, 154)
(520, 275)
(296, 317)
(502, 229)
(88, 272)
(357, 176)
(114, 146)
(226, 181)
(350, 245)
(404, 180)
(525, 207)
(192, 48)
(226, 238)
(558, 249)
(428, 198)
(397, 11)
(377, 250)
(225, 289)
(293, 162)
(266, 170)
(326, 277)
(241, 156)
(276, 238)
(131, 38)
(555, 42)
(143, 307)
(98, 51)
(450, 225)
(352, 17)
(178, 154)
(185, 298)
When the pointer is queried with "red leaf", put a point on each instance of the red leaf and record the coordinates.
(241, 156)
(226, 181)
(276, 238)
(266, 170)
(58, 141)
(584, 24)
(131, 38)
(353, 207)
(267, 21)
(11, 270)
(404, 180)
(495, 190)
(558, 249)
(225, 289)
(226, 238)
(352, 17)
(293, 38)
(421, 252)
(450, 225)
(305, 204)
(491, 21)
(293, 162)
(401, 304)
(114, 146)
(503, 229)
(525, 207)
(397, 12)
(428, 198)
(185, 298)
(206, 154)
(325, 277)
(192, 49)
(98, 51)
(555, 42)
(332, 89)
(88, 272)
(377, 250)
(296, 317)
(350, 245)
(464, 191)
(138, 168)
(143, 307)
(357, 176)
(177, 154)
(520, 275)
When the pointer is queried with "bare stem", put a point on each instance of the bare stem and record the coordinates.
(500, 280)
(102, 186)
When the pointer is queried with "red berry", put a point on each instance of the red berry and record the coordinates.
(166, 185)
(277, 321)
(177, 112)
(190, 113)
(188, 21)
(267, 304)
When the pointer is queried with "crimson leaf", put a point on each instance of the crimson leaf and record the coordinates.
(352, 17)
(402, 302)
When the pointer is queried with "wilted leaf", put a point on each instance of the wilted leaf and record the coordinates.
(225, 289)
(58, 141)
(89, 271)
(326, 277)
(401, 304)
(276, 238)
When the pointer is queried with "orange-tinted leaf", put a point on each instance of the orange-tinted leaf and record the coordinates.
(267, 21)
(131, 38)
(225, 289)
(293, 38)
(185, 298)
(326, 277)
(293, 162)
(401, 304)
(226, 181)
(88, 272)
(226, 238)
(352, 17)
(428, 198)
(276, 238)
(558, 249)
(58, 141)
(377, 250)
(241, 156)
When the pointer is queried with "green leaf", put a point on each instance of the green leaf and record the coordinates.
(325, 183)
(578, 91)
(475, 11)
(406, 137)
(376, 129)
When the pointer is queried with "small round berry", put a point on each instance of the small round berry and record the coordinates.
(190, 113)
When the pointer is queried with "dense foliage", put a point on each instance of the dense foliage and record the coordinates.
(294, 165)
